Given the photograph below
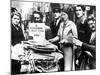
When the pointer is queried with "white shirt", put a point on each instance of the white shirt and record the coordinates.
(92, 37)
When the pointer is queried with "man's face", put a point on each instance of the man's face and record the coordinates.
(56, 14)
(79, 12)
(91, 24)
(15, 20)
(36, 17)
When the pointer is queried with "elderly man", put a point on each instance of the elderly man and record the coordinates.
(37, 17)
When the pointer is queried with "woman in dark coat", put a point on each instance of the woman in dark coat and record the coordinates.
(16, 38)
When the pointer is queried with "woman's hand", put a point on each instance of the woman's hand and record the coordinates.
(63, 41)
(54, 39)
(51, 40)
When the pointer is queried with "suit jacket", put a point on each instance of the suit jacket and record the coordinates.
(54, 28)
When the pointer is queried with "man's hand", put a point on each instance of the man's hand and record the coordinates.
(77, 42)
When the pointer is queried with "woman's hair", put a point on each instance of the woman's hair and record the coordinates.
(62, 13)
(17, 14)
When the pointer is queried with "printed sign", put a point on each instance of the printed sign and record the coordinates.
(37, 31)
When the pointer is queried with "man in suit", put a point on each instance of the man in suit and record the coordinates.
(55, 24)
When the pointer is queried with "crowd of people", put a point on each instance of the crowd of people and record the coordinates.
(76, 41)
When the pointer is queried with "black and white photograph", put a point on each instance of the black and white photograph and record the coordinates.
(51, 37)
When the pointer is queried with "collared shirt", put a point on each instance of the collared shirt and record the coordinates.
(66, 30)
(57, 21)
(82, 19)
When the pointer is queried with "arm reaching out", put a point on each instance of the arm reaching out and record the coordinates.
(83, 45)
(54, 39)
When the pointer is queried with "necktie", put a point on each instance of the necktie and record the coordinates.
(17, 27)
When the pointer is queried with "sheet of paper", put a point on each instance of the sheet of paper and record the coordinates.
(37, 31)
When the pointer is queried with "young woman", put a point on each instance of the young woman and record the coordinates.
(66, 31)
(16, 38)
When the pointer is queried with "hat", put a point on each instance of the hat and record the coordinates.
(56, 9)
